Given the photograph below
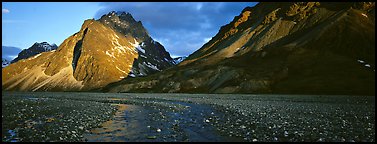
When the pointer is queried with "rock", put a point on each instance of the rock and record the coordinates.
(285, 133)
(255, 140)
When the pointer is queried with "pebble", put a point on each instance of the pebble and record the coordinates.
(254, 140)
(285, 133)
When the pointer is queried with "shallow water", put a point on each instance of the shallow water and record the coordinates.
(145, 123)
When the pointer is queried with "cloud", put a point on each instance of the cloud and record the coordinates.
(4, 11)
(180, 26)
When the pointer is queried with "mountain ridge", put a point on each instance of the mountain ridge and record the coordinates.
(284, 48)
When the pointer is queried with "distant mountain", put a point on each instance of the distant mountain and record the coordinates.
(35, 49)
(281, 48)
(103, 51)
(9, 52)
(5, 62)
(178, 60)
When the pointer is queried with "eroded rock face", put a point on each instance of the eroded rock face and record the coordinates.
(301, 48)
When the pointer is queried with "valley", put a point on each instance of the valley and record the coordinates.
(276, 72)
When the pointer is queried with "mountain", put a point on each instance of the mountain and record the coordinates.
(35, 49)
(152, 55)
(281, 48)
(9, 52)
(178, 60)
(93, 57)
(5, 62)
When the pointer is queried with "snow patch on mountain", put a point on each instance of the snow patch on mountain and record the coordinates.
(148, 64)
(178, 60)
(143, 56)
(140, 49)
(36, 56)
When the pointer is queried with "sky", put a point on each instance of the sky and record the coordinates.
(181, 27)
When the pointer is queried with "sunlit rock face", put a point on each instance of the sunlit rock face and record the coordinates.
(93, 57)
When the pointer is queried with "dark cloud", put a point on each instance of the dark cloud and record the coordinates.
(182, 27)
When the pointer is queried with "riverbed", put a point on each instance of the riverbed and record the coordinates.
(144, 117)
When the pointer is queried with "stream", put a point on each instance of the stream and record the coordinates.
(150, 124)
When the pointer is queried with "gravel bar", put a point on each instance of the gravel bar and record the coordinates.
(69, 116)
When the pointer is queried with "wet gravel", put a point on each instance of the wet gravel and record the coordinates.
(39, 118)
(187, 117)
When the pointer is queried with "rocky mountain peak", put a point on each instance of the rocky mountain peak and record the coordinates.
(35, 49)
(122, 15)
(124, 23)
(152, 55)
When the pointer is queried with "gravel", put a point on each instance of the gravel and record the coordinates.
(54, 116)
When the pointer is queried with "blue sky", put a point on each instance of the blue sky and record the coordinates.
(181, 27)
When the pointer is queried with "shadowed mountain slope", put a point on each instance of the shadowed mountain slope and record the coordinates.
(280, 47)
